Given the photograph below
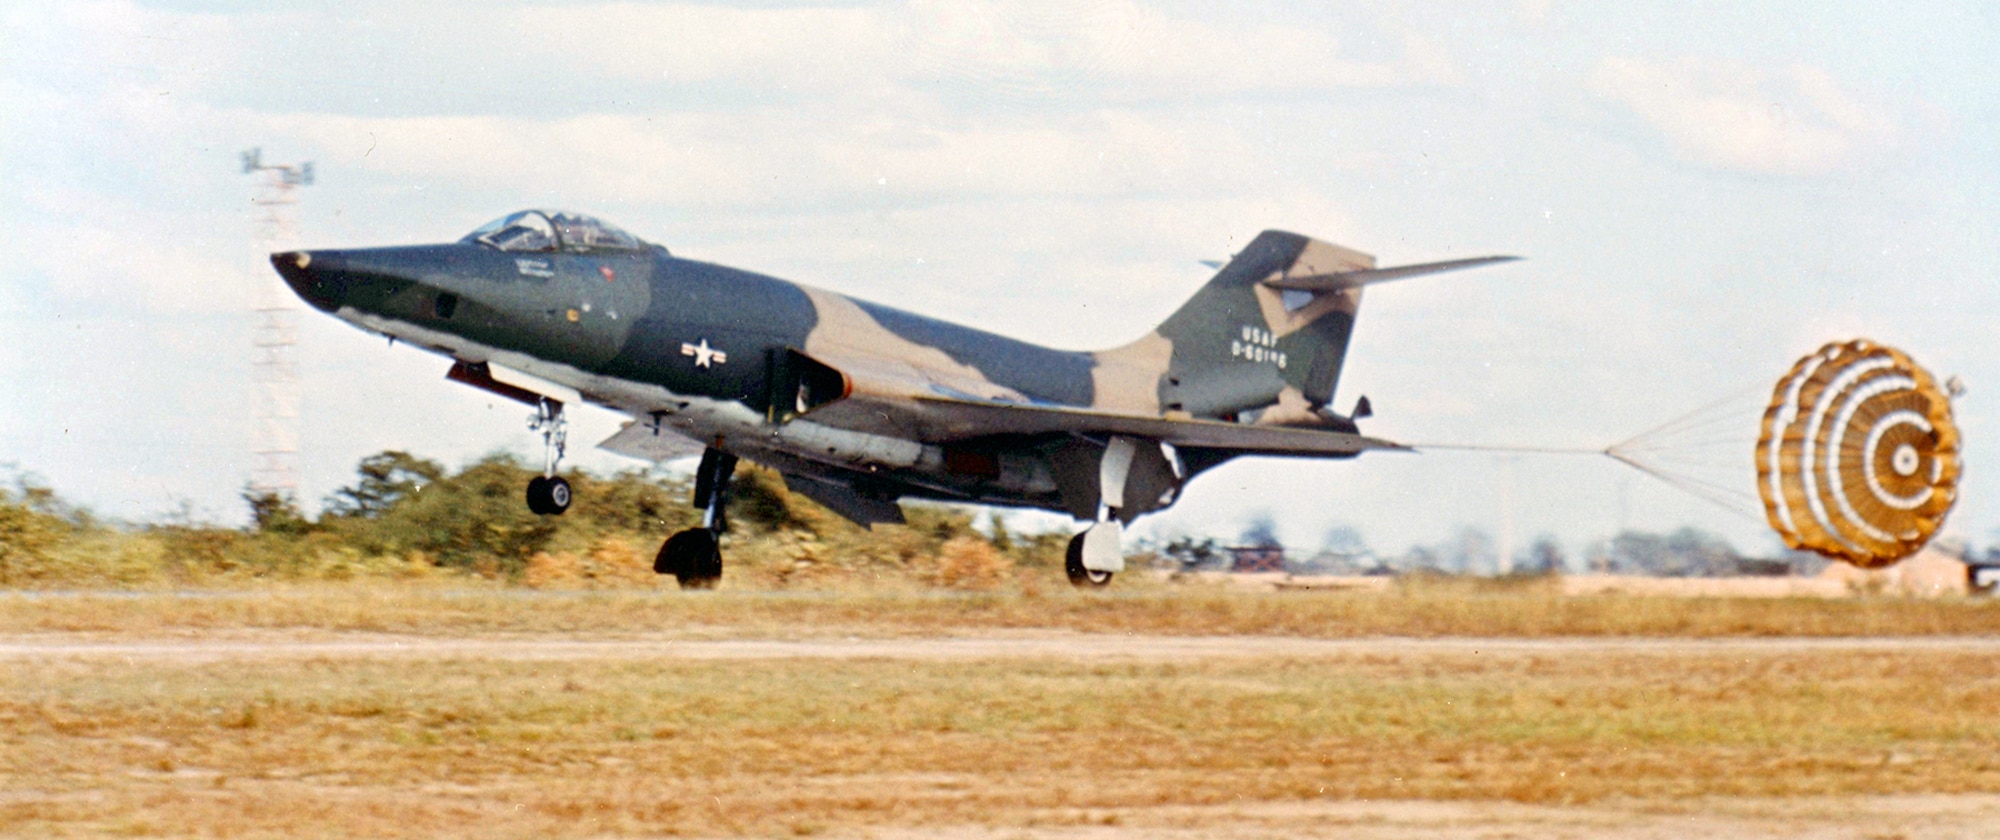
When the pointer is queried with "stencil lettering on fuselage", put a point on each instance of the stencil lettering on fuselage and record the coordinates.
(1257, 345)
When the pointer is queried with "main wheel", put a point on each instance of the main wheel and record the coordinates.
(692, 557)
(548, 496)
(1079, 576)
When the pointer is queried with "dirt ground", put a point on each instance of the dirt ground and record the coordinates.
(1862, 818)
(1030, 644)
(987, 734)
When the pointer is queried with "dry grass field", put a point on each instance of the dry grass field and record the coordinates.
(1413, 607)
(1482, 711)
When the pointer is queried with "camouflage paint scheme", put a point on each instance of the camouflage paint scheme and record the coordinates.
(860, 404)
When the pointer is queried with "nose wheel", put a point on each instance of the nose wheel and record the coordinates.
(694, 556)
(548, 493)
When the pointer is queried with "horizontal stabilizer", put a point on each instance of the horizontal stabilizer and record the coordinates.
(1362, 277)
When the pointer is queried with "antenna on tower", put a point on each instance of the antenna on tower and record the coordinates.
(274, 346)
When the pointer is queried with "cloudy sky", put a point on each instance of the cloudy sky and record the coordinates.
(1705, 192)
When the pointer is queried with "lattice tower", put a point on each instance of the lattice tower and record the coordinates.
(274, 366)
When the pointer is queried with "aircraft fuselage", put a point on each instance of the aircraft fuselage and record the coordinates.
(859, 405)
(694, 346)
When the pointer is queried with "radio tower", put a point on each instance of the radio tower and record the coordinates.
(274, 347)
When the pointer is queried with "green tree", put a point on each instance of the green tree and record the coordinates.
(26, 538)
(272, 512)
(386, 478)
(476, 519)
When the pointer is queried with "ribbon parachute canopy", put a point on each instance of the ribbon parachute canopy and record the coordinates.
(1858, 459)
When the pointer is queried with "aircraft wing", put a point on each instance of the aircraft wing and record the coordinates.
(896, 399)
(1030, 418)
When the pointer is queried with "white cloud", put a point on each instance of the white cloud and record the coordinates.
(767, 157)
(1127, 50)
(1533, 11)
(1794, 121)
(685, 43)
(1037, 52)
(156, 270)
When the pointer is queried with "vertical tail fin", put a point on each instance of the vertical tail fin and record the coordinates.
(1263, 341)
(1240, 345)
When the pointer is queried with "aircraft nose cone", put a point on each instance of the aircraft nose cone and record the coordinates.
(314, 276)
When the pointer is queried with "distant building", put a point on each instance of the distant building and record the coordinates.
(1257, 558)
(1763, 566)
(1330, 562)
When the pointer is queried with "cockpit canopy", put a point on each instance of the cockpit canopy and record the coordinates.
(547, 230)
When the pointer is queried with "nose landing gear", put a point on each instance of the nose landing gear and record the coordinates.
(548, 493)
(694, 556)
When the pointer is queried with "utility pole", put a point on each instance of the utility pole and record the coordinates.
(274, 363)
(1504, 564)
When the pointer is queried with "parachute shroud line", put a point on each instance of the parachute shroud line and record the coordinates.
(1857, 457)
(1661, 452)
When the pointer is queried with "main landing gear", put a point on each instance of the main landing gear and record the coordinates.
(1095, 555)
(548, 493)
(1080, 576)
(694, 556)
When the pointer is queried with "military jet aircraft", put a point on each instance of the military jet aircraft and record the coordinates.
(860, 405)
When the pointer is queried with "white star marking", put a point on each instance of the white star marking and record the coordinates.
(704, 354)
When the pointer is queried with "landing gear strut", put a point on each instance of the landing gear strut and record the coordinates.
(548, 493)
(694, 556)
(1095, 555)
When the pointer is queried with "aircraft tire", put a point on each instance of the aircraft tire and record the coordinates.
(558, 496)
(692, 557)
(548, 496)
(1079, 576)
(538, 495)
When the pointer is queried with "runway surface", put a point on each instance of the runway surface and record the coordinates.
(237, 644)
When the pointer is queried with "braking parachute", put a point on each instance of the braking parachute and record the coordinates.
(1857, 460)
(1859, 457)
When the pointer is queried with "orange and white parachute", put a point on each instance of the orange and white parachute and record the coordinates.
(1859, 457)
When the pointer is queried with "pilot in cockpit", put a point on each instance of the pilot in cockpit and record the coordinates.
(537, 230)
